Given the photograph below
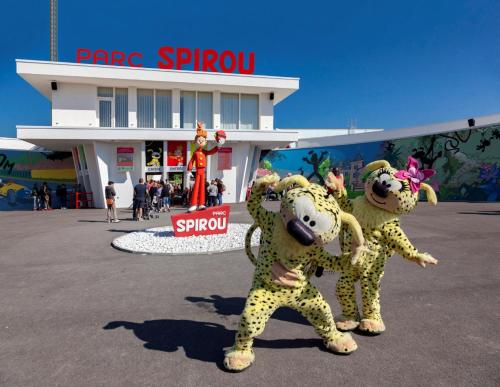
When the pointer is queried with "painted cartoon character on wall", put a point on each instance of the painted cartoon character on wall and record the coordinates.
(199, 159)
(155, 158)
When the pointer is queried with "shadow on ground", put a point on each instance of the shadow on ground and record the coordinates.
(483, 212)
(233, 306)
(202, 341)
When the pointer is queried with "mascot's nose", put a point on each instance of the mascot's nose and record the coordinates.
(380, 189)
(300, 232)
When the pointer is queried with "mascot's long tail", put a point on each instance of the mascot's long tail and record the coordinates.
(248, 243)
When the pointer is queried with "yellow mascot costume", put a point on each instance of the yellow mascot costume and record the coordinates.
(291, 247)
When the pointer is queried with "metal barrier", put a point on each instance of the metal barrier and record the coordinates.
(82, 200)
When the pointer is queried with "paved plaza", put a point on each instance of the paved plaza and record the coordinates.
(76, 311)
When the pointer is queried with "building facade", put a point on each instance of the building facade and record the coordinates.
(123, 123)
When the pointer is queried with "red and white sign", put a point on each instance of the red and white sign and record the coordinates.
(213, 220)
(177, 58)
(225, 158)
(176, 156)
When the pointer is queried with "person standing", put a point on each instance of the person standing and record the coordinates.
(110, 194)
(64, 196)
(165, 195)
(139, 198)
(34, 195)
(212, 194)
(220, 189)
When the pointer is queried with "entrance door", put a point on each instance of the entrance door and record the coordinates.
(177, 180)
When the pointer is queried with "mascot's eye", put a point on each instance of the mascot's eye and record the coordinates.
(384, 178)
(318, 222)
(394, 185)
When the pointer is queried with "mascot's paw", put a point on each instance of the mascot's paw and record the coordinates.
(424, 259)
(237, 361)
(358, 252)
(267, 180)
(344, 323)
(373, 327)
(333, 182)
(344, 345)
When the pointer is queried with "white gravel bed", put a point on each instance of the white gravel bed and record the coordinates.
(161, 240)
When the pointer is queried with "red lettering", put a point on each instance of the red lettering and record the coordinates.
(100, 55)
(241, 62)
(117, 58)
(196, 59)
(129, 59)
(183, 57)
(80, 54)
(209, 58)
(222, 61)
(163, 52)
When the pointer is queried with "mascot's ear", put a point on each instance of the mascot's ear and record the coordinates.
(376, 165)
(291, 180)
(354, 225)
(429, 193)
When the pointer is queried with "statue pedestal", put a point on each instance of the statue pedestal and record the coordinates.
(213, 220)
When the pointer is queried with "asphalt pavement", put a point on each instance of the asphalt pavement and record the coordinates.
(76, 311)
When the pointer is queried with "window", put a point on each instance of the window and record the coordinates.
(121, 108)
(105, 99)
(249, 111)
(188, 109)
(163, 105)
(196, 106)
(145, 108)
(239, 111)
(113, 107)
(154, 108)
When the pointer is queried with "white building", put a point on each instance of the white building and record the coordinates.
(121, 123)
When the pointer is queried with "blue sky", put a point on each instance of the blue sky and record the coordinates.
(384, 63)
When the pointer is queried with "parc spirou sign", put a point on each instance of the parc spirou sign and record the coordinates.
(175, 58)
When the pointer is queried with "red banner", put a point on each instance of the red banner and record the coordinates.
(176, 156)
(225, 158)
(213, 220)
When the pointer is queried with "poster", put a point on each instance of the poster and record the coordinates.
(176, 156)
(225, 158)
(154, 156)
(124, 159)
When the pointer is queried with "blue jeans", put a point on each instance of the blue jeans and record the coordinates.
(212, 201)
(219, 199)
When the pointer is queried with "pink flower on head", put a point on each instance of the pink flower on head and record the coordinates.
(414, 175)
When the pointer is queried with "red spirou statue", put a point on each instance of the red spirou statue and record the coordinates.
(199, 159)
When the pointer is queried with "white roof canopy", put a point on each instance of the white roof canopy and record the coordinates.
(41, 73)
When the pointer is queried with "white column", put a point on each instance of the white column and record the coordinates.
(132, 107)
(216, 107)
(266, 108)
(176, 108)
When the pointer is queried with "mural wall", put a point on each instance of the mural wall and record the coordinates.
(20, 171)
(467, 162)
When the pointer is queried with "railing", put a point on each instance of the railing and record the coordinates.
(82, 200)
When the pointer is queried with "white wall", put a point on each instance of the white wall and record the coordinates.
(266, 112)
(234, 179)
(124, 181)
(74, 105)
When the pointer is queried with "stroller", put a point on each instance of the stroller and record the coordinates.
(151, 208)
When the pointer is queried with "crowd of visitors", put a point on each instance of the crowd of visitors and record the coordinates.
(160, 196)
(156, 196)
(45, 198)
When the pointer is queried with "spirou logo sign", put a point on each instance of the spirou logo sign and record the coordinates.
(175, 58)
(213, 220)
